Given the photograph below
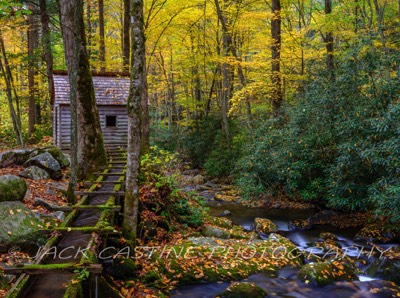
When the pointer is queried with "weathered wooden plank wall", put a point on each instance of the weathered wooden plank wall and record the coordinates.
(113, 136)
(111, 94)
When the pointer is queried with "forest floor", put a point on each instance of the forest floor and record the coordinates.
(173, 273)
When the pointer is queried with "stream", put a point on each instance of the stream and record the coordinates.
(284, 283)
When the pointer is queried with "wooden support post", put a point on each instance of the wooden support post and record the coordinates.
(52, 268)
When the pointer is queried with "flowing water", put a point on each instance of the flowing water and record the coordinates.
(285, 283)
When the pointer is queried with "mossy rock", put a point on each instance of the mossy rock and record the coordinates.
(16, 157)
(122, 268)
(242, 290)
(385, 268)
(46, 162)
(225, 198)
(325, 273)
(213, 259)
(34, 173)
(299, 225)
(328, 236)
(222, 222)
(20, 226)
(214, 231)
(264, 225)
(57, 155)
(330, 246)
(12, 188)
(378, 233)
(236, 232)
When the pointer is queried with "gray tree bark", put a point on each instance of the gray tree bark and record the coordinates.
(88, 139)
(48, 53)
(33, 44)
(226, 70)
(136, 94)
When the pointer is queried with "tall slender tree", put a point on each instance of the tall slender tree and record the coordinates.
(330, 60)
(12, 95)
(136, 93)
(225, 68)
(33, 44)
(125, 35)
(87, 140)
(102, 37)
(276, 80)
(47, 50)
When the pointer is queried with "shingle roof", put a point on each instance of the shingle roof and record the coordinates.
(109, 90)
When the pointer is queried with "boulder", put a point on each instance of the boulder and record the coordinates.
(325, 273)
(34, 173)
(217, 232)
(198, 179)
(328, 236)
(20, 226)
(58, 155)
(220, 222)
(243, 289)
(385, 268)
(264, 225)
(12, 188)
(323, 217)
(225, 213)
(235, 232)
(60, 215)
(41, 202)
(225, 198)
(299, 225)
(46, 162)
(378, 233)
(122, 268)
(15, 157)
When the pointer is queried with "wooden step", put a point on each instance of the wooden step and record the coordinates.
(110, 174)
(103, 231)
(115, 208)
(66, 268)
(114, 167)
(95, 193)
(103, 182)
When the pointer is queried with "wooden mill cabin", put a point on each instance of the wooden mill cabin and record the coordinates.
(111, 91)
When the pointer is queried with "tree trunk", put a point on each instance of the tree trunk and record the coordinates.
(125, 36)
(276, 80)
(33, 36)
(102, 42)
(145, 122)
(6, 72)
(225, 70)
(48, 53)
(330, 62)
(136, 94)
(90, 146)
(89, 26)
